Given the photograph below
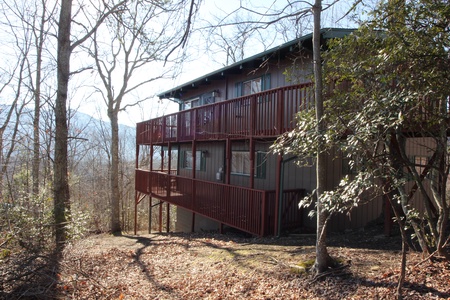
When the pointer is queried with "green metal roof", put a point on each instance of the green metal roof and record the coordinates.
(253, 61)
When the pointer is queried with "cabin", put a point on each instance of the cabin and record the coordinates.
(211, 159)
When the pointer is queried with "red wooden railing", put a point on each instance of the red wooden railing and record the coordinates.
(249, 210)
(264, 114)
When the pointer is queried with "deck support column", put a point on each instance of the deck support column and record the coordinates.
(135, 211)
(160, 215)
(193, 222)
(150, 200)
(277, 192)
(194, 166)
(169, 184)
(252, 163)
(168, 218)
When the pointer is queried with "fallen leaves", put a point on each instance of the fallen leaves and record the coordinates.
(224, 267)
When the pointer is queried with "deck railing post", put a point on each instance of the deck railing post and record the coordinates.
(253, 115)
(280, 112)
(263, 213)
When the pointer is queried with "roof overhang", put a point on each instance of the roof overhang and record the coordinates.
(304, 42)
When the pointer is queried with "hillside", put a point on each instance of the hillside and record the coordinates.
(212, 266)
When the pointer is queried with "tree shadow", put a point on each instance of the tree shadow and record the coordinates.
(146, 242)
(30, 275)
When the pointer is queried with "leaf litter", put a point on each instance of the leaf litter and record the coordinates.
(231, 266)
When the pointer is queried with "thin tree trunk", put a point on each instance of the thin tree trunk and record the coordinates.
(60, 182)
(322, 257)
(115, 193)
(37, 106)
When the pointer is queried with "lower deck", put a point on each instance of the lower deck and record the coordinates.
(258, 212)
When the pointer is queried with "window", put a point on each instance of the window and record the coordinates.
(240, 163)
(253, 86)
(187, 160)
(208, 98)
(191, 103)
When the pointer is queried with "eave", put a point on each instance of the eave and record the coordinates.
(304, 42)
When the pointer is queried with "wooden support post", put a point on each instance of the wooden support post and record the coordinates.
(168, 218)
(169, 185)
(277, 194)
(135, 211)
(150, 200)
(162, 159)
(193, 222)
(160, 215)
(194, 164)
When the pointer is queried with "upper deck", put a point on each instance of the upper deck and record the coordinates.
(266, 114)
(262, 115)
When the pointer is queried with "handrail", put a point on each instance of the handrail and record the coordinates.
(268, 113)
(250, 210)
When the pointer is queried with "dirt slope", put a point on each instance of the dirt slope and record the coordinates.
(212, 266)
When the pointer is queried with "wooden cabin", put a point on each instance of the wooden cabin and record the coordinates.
(212, 161)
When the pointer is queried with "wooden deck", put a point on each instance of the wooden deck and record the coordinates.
(247, 209)
(266, 114)
(263, 115)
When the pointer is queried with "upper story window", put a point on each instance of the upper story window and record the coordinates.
(191, 103)
(253, 86)
(240, 163)
(203, 99)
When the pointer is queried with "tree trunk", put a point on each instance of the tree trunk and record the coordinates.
(322, 257)
(60, 181)
(115, 195)
(37, 106)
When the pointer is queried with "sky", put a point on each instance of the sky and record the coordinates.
(199, 62)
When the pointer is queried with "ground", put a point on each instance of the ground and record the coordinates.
(232, 266)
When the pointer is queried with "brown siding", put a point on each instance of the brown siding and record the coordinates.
(226, 86)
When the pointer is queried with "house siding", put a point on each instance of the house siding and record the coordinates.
(287, 69)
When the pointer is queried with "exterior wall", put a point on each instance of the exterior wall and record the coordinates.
(283, 72)
(184, 222)
(213, 155)
(294, 177)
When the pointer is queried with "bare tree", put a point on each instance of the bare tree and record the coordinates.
(65, 49)
(40, 29)
(13, 88)
(136, 44)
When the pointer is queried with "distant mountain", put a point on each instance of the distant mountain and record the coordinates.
(81, 126)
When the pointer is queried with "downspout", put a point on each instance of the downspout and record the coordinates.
(280, 196)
